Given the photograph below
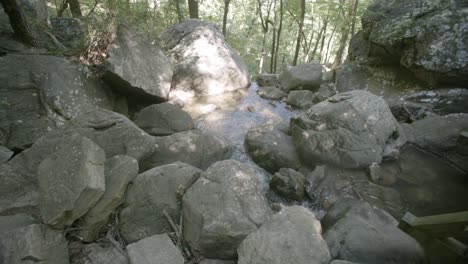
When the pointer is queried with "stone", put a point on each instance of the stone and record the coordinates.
(71, 181)
(288, 183)
(71, 32)
(355, 231)
(302, 99)
(33, 243)
(222, 208)
(10, 222)
(348, 130)
(152, 193)
(268, 79)
(339, 261)
(205, 64)
(269, 92)
(154, 250)
(291, 236)
(216, 261)
(195, 147)
(302, 77)
(163, 119)
(137, 68)
(271, 147)
(119, 172)
(96, 254)
(39, 93)
(5, 154)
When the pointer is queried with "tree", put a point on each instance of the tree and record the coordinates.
(278, 37)
(226, 11)
(19, 22)
(264, 22)
(75, 8)
(299, 33)
(345, 29)
(193, 8)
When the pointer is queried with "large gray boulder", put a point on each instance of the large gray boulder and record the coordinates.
(69, 31)
(156, 249)
(302, 99)
(119, 172)
(222, 208)
(163, 119)
(152, 193)
(97, 254)
(71, 181)
(291, 236)
(302, 77)
(425, 36)
(268, 79)
(40, 92)
(195, 147)
(289, 183)
(136, 67)
(271, 147)
(204, 62)
(33, 243)
(355, 231)
(348, 130)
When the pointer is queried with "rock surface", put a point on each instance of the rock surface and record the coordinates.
(271, 147)
(69, 31)
(291, 236)
(195, 147)
(302, 77)
(155, 250)
(348, 130)
(204, 62)
(222, 208)
(163, 119)
(269, 92)
(137, 68)
(289, 183)
(301, 99)
(356, 231)
(96, 254)
(152, 193)
(71, 181)
(119, 172)
(268, 79)
(5, 154)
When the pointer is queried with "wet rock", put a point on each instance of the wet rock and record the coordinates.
(301, 99)
(96, 254)
(269, 92)
(5, 154)
(355, 231)
(136, 67)
(204, 62)
(302, 77)
(195, 147)
(69, 31)
(349, 130)
(271, 147)
(154, 250)
(152, 193)
(163, 119)
(41, 92)
(71, 181)
(289, 183)
(222, 208)
(33, 243)
(268, 79)
(291, 236)
(119, 171)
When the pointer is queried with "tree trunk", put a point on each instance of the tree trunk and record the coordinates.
(323, 42)
(278, 37)
(322, 30)
(19, 22)
(327, 54)
(226, 12)
(193, 8)
(75, 8)
(180, 16)
(299, 33)
(273, 40)
(343, 41)
(353, 24)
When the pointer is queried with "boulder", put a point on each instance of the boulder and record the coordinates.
(302, 99)
(289, 183)
(119, 172)
(33, 243)
(71, 181)
(195, 147)
(10, 222)
(216, 261)
(291, 236)
(425, 36)
(154, 250)
(152, 193)
(136, 67)
(269, 92)
(348, 130)
(5, 154)
(302, 77)
(222, 208)
(204, 62)
(268, 79)
(355, 231)
(271, 147)
(96, 254)
(40, 92)
(163, 119)
(71, 32)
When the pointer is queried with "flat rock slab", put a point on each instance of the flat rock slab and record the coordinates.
(302, 77)
(269, 92)
(96, 254)
(163, 119)
(157, 249)
(301, 99)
